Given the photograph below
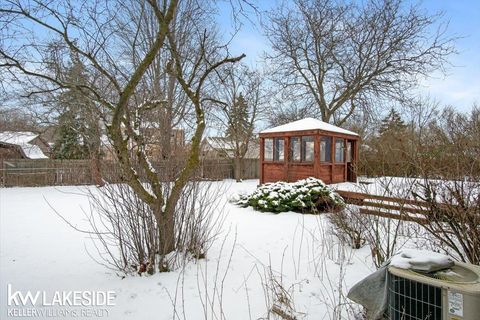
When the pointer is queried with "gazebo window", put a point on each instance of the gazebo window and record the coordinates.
(326, 149)
(279, 150)
(339, 150)
(295, 154)
(268, 149)
(307, 149)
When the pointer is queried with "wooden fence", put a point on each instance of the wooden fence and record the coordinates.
(48, 172)
(251, 169)
(388, 207)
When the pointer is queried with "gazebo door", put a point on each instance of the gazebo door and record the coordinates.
(350, 157)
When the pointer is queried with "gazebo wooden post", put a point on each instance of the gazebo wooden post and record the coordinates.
(316, 155)
(286, 156)
(345, 164)
(262, 155)
(355, 163)
(332, 158)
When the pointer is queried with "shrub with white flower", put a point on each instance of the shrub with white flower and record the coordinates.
(309, 195)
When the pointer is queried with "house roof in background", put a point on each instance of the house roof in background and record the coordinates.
(226, 146)
(220, 143)
(309, 124)
(17, 137)
(33, 152)
(22, 139)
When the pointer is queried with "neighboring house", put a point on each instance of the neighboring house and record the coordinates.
(177, 138)
(152, 135)
(221, 147)
(22, 145)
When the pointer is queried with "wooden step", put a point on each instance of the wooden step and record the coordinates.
(365, 196)
(397, 216)
(397, 206)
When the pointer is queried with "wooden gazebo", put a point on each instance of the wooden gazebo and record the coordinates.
(315, 149)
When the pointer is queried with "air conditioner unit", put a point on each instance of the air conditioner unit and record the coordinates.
(451, 294)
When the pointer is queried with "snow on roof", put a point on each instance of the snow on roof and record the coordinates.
(33, 152)
(20, 137)
(227, 146)
(23, 139)
(221, 143)
(309, 124)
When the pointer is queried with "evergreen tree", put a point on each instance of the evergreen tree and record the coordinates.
(392, 124)
(78, 135)
(68, 144)
(392, 145)
(239, 124)
(239, 131)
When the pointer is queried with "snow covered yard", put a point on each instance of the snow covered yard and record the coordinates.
(41, 252)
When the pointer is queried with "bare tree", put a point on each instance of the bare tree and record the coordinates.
(158, 82)
(283, 112)
(12, 119)
(453, 222)
(240, 104)
(93, 32)
(124, 231)
(432, 143)
(343, 56)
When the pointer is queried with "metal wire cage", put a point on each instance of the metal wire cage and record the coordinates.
(412, 300)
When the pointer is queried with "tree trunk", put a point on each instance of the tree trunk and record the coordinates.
(237, 168)
(325, 114)
(166, 234)
(95, 169)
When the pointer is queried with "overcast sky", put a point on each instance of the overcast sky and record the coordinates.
(459, 88)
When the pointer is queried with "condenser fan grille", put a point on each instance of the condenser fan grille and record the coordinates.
(412, 300)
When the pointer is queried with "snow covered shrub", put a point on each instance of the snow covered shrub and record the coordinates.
(309, 195)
